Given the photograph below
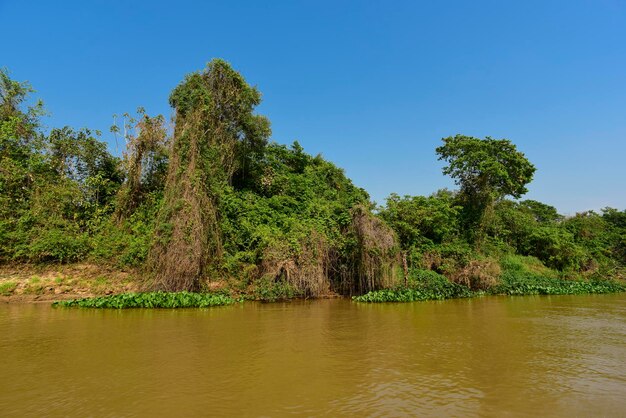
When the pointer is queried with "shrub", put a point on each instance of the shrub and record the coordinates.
(478, 274)
(58, 245)
(267, 289)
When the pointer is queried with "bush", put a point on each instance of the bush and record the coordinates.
(267, 289)
(479, 274)
(58, 245)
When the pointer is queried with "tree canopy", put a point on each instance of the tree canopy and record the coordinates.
(486, 170)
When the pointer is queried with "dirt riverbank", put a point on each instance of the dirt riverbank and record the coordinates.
(44, 283)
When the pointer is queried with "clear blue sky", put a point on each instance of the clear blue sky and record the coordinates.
(371, 85)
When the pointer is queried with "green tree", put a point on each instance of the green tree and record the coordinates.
(20, 143)
(542, 212)
(486, 170)
(80, 157)
(145, 162)
(420, 220)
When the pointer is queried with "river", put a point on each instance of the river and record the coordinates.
(536, 356)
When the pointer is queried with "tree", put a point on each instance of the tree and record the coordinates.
(145, 161)
(20, 143)
(486, 170)
(215, 131)
(542, 212)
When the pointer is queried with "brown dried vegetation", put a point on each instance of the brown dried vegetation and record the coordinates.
(306, 269)
(213, 118)
(373, 262)
(478, 274)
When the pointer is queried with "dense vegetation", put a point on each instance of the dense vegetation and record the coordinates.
(151, 300)
(214, 203)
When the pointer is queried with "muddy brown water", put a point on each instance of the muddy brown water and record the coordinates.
(494, 356)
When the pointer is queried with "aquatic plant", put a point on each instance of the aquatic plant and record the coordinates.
(424, 285)
(513, 284)
(530, 284)
(150, 300)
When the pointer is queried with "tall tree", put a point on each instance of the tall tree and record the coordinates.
(20, 143)
(145, 162)
(215, 130)
(486, 170)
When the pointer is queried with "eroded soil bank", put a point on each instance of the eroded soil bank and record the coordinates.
(44, 283)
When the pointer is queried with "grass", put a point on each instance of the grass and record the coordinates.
(150, 300)
(7, 288)
(35, 286)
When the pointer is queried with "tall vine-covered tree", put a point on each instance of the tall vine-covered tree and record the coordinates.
(486, 170)
(215, 132)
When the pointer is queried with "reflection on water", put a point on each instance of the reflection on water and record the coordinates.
(496, 356)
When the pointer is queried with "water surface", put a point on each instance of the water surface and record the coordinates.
(493, 356)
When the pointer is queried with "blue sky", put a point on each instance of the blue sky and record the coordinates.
(371, 85)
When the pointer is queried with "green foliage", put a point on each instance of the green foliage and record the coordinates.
(291, 219)
(269, 290)
(145, 162)
(517, 283)
(518, 264)
(57, 245)
(421, 221)
(425, 285)
(7, 288)
(584, 242)
(82, 159)
(616, 222)
(516, 280)
(21, 149)
(219, 200)
(556, 247)
(486, 170)
(542, 212)
(216, 133)
(150, 300)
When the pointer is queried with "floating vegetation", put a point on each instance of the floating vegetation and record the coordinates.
(515, 284)
(431, 286)
(150, 300)
(428, 285)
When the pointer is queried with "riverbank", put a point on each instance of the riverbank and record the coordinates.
(35, 283)
(31, 283)
(101, 286)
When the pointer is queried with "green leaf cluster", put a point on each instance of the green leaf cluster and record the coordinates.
(150, 300)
